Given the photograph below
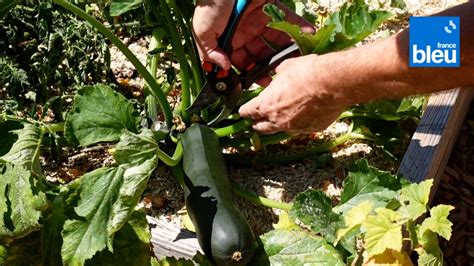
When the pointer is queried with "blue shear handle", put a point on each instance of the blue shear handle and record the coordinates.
(225, 41)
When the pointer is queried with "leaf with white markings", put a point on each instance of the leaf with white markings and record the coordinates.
(313, 208)
(296, 247)
(26, 150)
(108, 198)
(99, 114)
(366, 183)
(20, 209)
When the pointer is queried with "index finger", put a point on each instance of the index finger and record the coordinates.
(251, 109)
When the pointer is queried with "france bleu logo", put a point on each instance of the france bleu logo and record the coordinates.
(435, 42)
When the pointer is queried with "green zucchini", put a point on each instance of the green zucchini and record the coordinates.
(222, 231)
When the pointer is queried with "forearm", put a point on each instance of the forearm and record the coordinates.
(381, 70)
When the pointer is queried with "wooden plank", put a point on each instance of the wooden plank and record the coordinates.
(426, 157)
(431, 145)
(169, 240)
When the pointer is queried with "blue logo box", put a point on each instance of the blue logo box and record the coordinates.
(435, 42)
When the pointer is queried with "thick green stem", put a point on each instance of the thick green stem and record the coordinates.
(174, 160)
(234, 128)
(48, 128)
(249, 95)
(155, 88)
(246, 143)
(244, 160)
(183, 62)
(252, 197)
(190, 49)
(152, 66)
(51, 128)
(350, 114)
(126, 25)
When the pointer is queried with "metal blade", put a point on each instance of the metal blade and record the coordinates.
(230, 102)
(205, 99)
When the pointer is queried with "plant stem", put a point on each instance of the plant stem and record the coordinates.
(244, 160)
(264, 140)
(174, 160)
(51, 128)
(126, 25)
(155, 88)
(350, 114)
(249, 95)
(48, 128)
(152, 66)
(252, 197)
(191, 49)
(234, 128)
(183, 62)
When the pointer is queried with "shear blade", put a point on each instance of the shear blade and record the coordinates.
(205, 99)
(231, 101)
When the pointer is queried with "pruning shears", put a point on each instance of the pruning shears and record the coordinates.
(223, 88)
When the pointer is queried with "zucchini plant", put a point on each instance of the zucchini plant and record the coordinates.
(94, 219)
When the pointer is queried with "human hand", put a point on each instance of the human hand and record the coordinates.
(249, 42)
(298, 100)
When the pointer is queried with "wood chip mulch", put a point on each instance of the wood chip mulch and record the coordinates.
(457, 188)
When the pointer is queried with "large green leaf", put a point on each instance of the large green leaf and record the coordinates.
(429, 252)
(99, 114)
(51, 233)
(313, 208)
(296, 247)
(120, 7)
(354, 21)
(317, 43)
(344, 28)
(414, 199)
(438, 221)
(131, 245)
(354, 218)
(133, 149)
(62, 205)
(26, 150)
(382, 232)
(108, 198)
(6, 6)
(366, 183)
(135, 178)
(308, 43)
(83, 238)
(21, 204)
